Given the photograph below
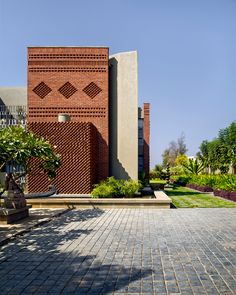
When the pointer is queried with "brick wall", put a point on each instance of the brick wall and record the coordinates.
(146, 137)
(71, 80)
(76, 142)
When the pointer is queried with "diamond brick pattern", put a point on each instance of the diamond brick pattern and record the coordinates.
(60, 67)
(92, 90)
(67, 90)
(77, 144)
(42, 90)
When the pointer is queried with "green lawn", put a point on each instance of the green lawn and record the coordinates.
(186, 198)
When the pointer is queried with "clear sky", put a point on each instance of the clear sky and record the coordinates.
(186, 49)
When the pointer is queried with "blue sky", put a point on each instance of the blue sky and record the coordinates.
(186, 48)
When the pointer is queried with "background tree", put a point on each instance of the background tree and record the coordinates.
(182, 148)
(220, 153)
(158, 172)
(19, 146)
(181, 160)
(227, 138)
(174, 150)
(203, 154)
(214, 154)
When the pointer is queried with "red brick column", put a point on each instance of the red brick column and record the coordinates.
(146, 138)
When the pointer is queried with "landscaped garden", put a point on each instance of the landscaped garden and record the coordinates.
(184, 197)
(187, 198)
(202, 191)
(199, 181)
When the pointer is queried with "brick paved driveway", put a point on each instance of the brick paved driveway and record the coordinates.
(125, 251)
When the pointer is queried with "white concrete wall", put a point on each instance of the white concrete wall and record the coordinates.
(13, 96)
(124, 115)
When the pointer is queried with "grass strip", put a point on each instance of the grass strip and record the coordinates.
(188, 198)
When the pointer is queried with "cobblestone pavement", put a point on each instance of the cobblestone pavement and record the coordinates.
(125, 251)
(36, 217)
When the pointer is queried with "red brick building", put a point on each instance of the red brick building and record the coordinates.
(73, 81)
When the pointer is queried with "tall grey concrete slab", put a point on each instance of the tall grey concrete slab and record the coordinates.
(124, 115)
(10, 96)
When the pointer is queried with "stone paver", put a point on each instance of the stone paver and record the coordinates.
(125, 251)
(36, 217)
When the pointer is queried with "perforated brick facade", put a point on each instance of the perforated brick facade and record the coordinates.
(76, 142)
(71, 80)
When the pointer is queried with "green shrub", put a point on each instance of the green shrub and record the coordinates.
(225, 182)
(102, 190)
(208, 180)
(130, 187)
(181, 179)
(112, 187)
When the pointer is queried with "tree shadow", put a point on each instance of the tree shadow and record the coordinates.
(51, 258)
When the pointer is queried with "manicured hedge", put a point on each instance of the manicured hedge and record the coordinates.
(225, 194)
(200, 188)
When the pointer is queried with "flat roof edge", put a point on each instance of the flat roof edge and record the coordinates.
(68, 47)
(123, 53)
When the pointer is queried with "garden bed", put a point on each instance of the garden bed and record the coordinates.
(157, 202)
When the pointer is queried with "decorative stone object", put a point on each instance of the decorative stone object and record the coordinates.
(15, 197)
(8, 216)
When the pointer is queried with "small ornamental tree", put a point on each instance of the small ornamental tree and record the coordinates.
(19, 146)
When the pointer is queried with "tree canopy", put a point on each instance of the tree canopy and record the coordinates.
(175, 149)
(19, 146)
(220, 153)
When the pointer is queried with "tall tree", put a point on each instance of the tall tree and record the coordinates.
(174, 149)
(220, 153)
(182, 148)
(227, 137)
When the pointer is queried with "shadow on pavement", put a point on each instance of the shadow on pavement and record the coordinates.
(50, 259)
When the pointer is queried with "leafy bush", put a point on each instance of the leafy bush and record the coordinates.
(182, 179)
(112, 187)
(130, 187)
(208, 180)
(225, 182)
(102, 190)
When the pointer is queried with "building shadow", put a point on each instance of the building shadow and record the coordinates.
(50, 259)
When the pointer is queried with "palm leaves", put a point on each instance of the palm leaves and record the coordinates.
(194, 166)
